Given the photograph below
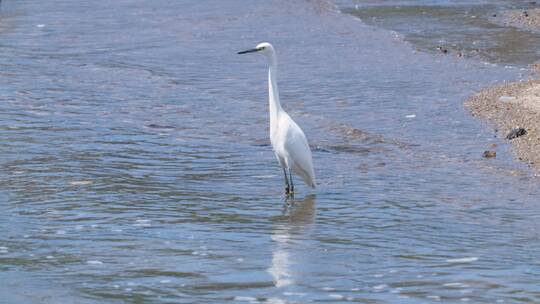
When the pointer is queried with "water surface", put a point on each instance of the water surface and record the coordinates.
(136, 165)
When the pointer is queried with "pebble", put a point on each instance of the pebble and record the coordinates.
(489, 154)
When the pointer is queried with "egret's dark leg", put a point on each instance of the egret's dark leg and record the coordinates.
(292, 185)
(287, 187)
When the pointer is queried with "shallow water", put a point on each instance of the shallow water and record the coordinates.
(458, 28)
(136, 166)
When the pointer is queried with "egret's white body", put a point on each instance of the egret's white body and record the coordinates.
(288, 140)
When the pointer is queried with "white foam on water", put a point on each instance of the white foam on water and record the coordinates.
(94, 262)
(246, 299)
(380, 287)
(275, 301)
(142, 223)
(165, 281)
(80, 183)
(294, 294)
(462, 260)
(40, 25)
(436, 298)
(410, 116)
(455, 285)
(336, 296)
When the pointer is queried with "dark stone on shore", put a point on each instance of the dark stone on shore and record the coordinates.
(489, 154)
(515, 133)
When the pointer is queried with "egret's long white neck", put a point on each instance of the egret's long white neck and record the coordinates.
(273, 93)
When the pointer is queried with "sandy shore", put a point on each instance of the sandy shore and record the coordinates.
(510, 106)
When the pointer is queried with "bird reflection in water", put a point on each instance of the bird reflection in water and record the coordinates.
(290, 236)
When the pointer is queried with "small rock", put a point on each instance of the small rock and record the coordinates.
(515, 133)
(489, 154)
(507, 99)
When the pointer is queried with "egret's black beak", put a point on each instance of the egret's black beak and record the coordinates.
(249, 51)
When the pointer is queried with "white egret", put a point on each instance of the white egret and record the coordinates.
(288, 140)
